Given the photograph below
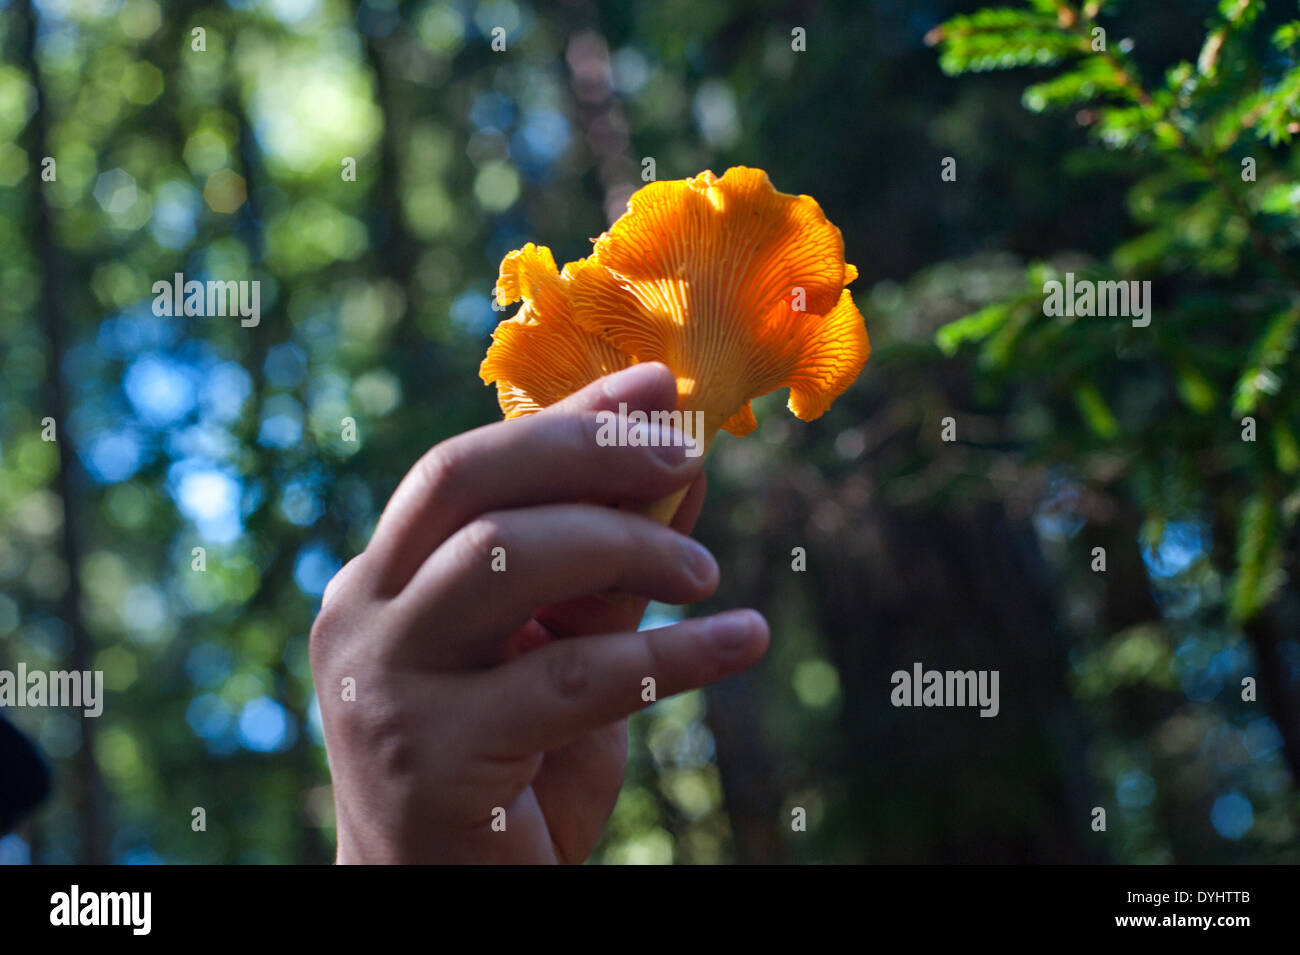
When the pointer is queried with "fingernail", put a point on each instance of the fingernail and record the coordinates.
(699, 562)
(732, 634)
(667, 445)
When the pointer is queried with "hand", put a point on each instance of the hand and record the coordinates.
(479, 690)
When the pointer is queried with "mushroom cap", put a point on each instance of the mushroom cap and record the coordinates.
(738, 288)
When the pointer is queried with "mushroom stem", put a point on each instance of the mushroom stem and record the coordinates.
(665, 509)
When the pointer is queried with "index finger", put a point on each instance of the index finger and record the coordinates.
(546, 699)
(550, 457)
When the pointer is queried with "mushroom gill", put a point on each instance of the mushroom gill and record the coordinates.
(738, 288)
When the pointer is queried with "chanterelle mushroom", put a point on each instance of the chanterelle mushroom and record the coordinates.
(738, 288)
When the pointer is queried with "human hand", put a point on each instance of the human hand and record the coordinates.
(480, 690)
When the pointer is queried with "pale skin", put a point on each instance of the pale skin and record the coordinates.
(479, 690)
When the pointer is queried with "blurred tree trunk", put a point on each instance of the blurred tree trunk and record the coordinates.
(746, 764)
(1126, 598)
(1267, 631)
(89, 797)
(308, 844)
(1277, 689)
(959, 589)
(392, 247)
(901, 571)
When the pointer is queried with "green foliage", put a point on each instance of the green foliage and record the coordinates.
(1218, 233)
(1262, 376)
(1003, 38)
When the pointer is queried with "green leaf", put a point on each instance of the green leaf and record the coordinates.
(1281, 199)
(1196, 390)
(1287, 35)
(1091, 79)
(1278, 109)
(1096, 413)
(1286, 451)
(999, 348)
(972, 328)
(1271, 350)
(1240, 12)
(1003, 38)
(1259, 558)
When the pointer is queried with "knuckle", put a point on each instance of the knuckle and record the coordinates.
(656, 657)
(582, 437)
(481, 535)
(583, 431)
(645, 549)
(335, 585)
(568, 673)
(335, 600)
(625, 546)
(633, 539)
(440, 468)
(383, 729)
(573, 433)
(319, 639)
(647, 540)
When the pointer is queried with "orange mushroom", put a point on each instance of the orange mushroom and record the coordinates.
(738, 288)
